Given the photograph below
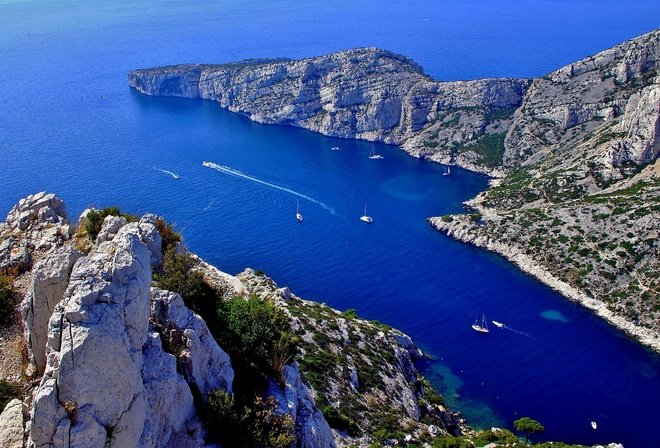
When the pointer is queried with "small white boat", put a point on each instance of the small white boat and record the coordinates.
(448, 172)
(366, 218)
(336, 148)
(299, 216)
(481, 328)
(594, 425)
(498, 324)
(373, 155)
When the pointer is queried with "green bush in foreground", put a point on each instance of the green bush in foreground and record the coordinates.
(8, 391)
(7, 301)
(94, 219)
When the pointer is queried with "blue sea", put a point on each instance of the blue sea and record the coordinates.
(70, 124)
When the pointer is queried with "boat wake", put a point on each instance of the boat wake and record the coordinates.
(176, 176)
(233, 172)
(505, 327)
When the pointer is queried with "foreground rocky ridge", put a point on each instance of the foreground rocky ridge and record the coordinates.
(115, 361)
(575, 149)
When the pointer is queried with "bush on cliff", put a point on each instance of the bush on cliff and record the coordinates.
(8, 391)
(169, 236)
(256, 335)
(94, 219)
(7, 301)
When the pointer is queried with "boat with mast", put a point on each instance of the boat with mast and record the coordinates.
(299, 216)
(448, 172)
(366, 218)
(373, 154)
(481, 328)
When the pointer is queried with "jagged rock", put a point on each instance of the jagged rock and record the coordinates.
(94, 347)
(50, 278)
(201, 360)
(37, 222)
(227, 286)
(152, 238)
(168, 397)
(11, 425)
(311, 428)
(110, 227)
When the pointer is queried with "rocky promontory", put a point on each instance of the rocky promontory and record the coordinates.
(114, 359)
(575, 153)
(365, 93)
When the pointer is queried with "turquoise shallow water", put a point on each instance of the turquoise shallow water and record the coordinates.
(70, 124)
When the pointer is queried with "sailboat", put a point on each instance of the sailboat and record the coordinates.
(366, 218)
(372, 154)
(448, 172)
(594, 425)
(298, 214)
(335, 147)
(481, 328)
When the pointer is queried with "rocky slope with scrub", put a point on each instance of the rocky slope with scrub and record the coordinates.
(113, 358)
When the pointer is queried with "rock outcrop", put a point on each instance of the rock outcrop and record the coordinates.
(50, 278)
(107, 380)
(312, 430)
(11, 425)
(33, 226)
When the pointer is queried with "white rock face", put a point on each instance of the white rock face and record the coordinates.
(107, 381)
(50, 278)
(203, 362)
(312, 429)
(168, 398)
(37, 222)
(11, 425)
(364, 93)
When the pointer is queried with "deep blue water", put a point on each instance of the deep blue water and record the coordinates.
(69, 124)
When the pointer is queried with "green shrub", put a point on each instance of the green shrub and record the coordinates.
(94, 219)
(7, 301)
(8, 391)
(349, 314)
(256, 334)
(167, 233)
(177, 276)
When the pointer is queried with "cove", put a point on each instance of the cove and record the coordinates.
(69, 124)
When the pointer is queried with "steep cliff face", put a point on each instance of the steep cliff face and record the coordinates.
(488, 125)
(363, 93)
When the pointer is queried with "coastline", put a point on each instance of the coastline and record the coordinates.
(457, 230)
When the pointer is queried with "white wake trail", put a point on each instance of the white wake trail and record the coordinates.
(176, 176)
(233, 172)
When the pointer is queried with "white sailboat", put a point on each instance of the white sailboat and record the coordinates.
(481, 328)
(366, 218)
(335, 147)
(448, 172)
(299, 216)
(594, 425)
(372, 154)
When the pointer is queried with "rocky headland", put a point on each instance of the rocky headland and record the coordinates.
(576, 199)
(111, 358)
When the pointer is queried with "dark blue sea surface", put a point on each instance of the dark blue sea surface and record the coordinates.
(69, 124)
